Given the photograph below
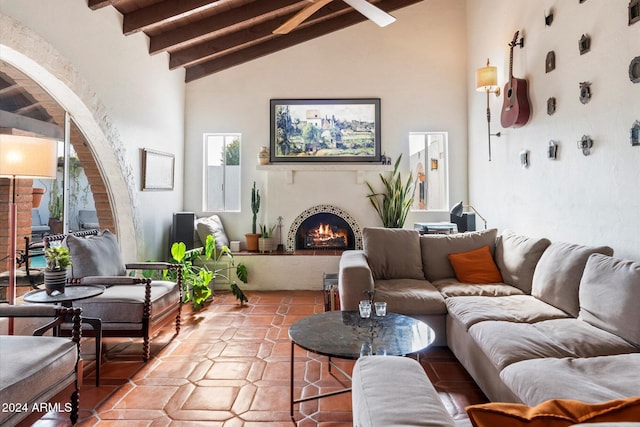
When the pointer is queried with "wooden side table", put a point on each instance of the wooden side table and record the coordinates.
(74, 293)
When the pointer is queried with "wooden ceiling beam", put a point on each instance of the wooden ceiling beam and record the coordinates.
(275, 44)
(16, 121)
(157, 13)
(198, 31)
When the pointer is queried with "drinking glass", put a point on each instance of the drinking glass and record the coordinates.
(381, 308)
(365, 309)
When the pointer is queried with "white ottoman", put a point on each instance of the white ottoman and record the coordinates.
(392, 391)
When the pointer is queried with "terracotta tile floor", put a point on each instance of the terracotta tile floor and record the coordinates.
(229, 367)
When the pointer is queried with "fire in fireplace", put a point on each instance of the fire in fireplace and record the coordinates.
(324, 227)
(324, 231)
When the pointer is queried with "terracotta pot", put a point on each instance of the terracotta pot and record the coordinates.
(36, 197)
(252, 241)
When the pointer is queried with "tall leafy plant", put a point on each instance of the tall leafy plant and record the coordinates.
(212, 264)
(394, 202)
(255, 206)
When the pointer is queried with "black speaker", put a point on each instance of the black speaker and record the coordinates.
(466, 222)
(182, 230)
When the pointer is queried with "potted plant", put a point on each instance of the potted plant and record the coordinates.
(266, 242)
(394, 202)
(56, 202)
(252, 238)
(55, 274)
(211, 264)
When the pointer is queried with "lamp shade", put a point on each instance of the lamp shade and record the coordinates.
(27, 157)
(487, 77)
(457, 209)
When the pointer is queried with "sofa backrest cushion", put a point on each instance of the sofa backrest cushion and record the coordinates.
(517, 257)
(609, 296)
(556, 279)
(392, 253)
(437, 247)
(95, 255)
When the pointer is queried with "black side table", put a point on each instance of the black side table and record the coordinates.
(74, 293)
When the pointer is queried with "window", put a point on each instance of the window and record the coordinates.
(430, 169)
(221, 172)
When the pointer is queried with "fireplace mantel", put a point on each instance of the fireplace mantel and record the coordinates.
(358, 168)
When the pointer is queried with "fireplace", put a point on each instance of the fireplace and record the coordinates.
(324, 227)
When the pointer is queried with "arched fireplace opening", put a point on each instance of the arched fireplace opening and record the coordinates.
(324, 227)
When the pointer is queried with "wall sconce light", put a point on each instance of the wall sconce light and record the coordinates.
(487, 81)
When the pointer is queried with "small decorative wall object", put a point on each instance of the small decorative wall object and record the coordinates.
(585, 144)
(634, 70)
(584, 44)
(585, 92)
(634, 11)
(550, 62)
(634, 134)
(552, 150)
(548, 19)
(551, 105)
(524, 158)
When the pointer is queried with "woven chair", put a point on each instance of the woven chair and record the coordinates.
(130, 306)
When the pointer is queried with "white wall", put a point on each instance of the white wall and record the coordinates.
(131, 100)
(416, 66)
(589, 200)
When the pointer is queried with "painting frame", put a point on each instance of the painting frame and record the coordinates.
(157, 170)
(325, 130)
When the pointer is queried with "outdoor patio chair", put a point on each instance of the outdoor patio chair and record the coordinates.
(130, 306)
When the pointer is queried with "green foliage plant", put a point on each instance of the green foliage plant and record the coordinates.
(197, 278)
(266, 232)
(57, 257)
(255, 206)
(394, 202)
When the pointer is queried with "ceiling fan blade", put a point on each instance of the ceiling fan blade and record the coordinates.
(299, 17)
(372, 12)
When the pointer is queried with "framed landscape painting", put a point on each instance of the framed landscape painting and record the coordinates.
(325, 130)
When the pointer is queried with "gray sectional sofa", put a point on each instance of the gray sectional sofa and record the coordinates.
(564, 322)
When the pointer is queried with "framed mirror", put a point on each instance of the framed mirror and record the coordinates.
(430, 168)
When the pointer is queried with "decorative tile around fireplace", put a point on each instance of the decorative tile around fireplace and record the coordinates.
(324, 227)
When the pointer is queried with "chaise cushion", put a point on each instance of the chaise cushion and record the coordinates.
(517, 257)
(475, 266)
(553, 413)
(393, 253)
(95, 255)
(556, 279)
(437, 247)
(454, 288)
(515, 308)
(410, 297)
(589, 379)
(609, 296)
(505, 343)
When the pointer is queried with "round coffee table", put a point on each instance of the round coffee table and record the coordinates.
(345, 335)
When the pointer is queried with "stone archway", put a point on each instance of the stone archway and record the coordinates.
(40, 61)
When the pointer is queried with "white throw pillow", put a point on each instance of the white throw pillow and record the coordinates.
(212, 225)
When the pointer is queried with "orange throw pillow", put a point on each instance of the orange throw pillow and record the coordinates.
(554, 413)
(476, 266)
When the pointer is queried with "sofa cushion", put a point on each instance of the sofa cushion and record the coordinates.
(437, 247)
(212, 225)
(517, 257)
(393, 253)
(475, 266)
(515, 308)
(609, 296)
(505, 343)
(409, 296)
(95, 255)
(556, 279)
(395, 391)
(453, 288)
(591, 379)
(553, 413)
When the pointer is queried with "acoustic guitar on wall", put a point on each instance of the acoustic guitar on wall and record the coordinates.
(516, 109)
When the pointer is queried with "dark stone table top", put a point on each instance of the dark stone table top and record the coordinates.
(71, 293)
(345, 335)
